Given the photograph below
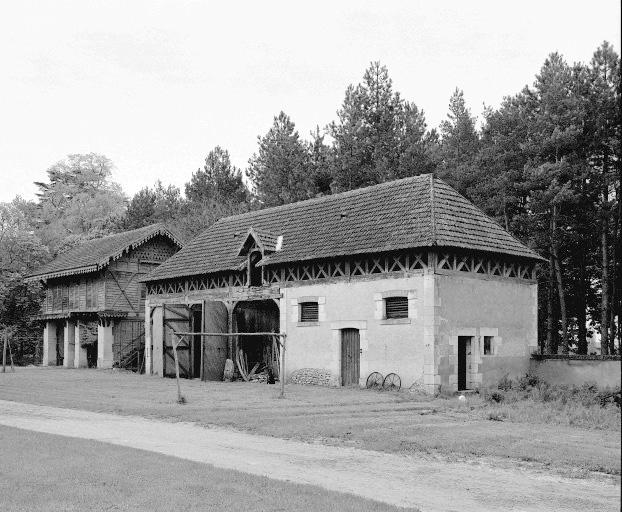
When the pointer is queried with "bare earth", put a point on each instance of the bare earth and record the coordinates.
(409, 481)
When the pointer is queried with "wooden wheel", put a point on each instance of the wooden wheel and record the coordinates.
(392, 382)
(374, 381)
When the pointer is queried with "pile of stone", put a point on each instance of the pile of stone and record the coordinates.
(314, 377)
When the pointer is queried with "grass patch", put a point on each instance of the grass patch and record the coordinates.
(47, 473)
(531, 400)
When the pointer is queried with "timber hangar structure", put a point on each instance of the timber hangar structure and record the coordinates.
(406, 277)
(94, 302)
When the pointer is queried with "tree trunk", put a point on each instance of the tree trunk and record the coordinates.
(604, 307)
(550, 347)
(562, 304)
(558, 279)
(582, 305)
(613, 288)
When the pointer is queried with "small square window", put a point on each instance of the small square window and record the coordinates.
(396, 307)
(488, 345)
(308, 312)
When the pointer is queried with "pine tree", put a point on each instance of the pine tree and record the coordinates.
(281, 170)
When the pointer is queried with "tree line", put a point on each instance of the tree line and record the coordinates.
(545, 164)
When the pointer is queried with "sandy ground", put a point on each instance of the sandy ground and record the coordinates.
(425, 483)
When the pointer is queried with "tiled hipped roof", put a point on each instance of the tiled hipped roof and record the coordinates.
(97, 253)
(414, 212)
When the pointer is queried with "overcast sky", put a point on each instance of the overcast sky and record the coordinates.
(155, 85)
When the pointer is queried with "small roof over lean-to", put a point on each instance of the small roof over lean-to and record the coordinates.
(421, 211)
(95, 254)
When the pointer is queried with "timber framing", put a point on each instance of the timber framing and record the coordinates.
(396, 264)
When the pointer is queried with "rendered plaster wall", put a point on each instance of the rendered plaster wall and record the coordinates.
(505, 309)
(386, 345)
(606, 374)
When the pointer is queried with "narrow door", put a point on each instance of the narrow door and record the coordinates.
(215, 319)
(350, 357)
(463, 343)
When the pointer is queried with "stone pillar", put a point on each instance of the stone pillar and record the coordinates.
(104, 343)
(80, 360)
(49, 344)
(431, 378)
(148, 326)
(69, 344)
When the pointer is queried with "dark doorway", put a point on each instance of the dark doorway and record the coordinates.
(254, 272)
(91, 353)
(195, 350)
(257, 316)
(350, 357)
(464, 347)
(60, 343)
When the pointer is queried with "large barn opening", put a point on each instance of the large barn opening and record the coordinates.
(260, 353)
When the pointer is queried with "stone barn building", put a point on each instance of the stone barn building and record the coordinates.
(94, 302)
(406, 277)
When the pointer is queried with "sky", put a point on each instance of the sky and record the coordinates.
(155, 85)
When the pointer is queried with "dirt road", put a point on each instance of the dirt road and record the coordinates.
(427, 484)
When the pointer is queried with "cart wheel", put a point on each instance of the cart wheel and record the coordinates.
(392, 382)
(374, 381)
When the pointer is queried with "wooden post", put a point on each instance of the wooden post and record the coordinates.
(6, 337)
(202, 373)
(282, 375)
(180, 399)
(10, 352)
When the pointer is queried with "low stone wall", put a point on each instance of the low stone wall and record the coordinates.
(577, 370)
(314, 377)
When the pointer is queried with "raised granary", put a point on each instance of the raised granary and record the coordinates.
(94, 303)
(407, 277)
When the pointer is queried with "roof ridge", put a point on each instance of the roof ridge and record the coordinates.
(328, 197)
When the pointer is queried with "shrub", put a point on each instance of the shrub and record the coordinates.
(495, 396)
(505, 384)
(528, 381)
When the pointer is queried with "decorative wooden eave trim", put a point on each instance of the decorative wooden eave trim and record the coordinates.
(63, 273)
(137, 243)
(112, 314)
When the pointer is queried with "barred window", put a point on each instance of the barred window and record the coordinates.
(308, 312)
(396, 307)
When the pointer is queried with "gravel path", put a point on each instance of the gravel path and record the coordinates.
(409, 481)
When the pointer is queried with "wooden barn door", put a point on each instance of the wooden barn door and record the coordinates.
(215, 319)
(177, 317)
(350, 357)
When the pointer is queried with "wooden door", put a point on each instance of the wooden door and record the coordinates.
(350, 357)
(463, 342)
(177, 318)
(215, 319)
